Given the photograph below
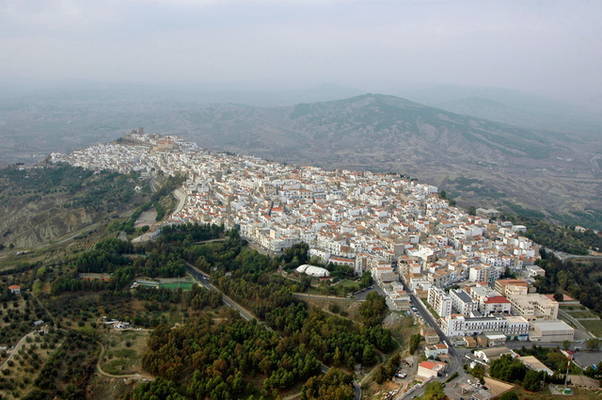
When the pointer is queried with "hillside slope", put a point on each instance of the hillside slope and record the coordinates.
(42, 204)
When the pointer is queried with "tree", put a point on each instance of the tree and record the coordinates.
(373, 310)
(433, 391)
(508, 369)
(334, 385)
(558, 297)
(533, 381)
(592, 344)
(414, 343)
(509, 396)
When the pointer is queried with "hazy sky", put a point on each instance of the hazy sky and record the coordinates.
(548, 47)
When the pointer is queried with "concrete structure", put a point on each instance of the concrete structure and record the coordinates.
(514, 327)
(361, 219)
(496, 305)
(459, 325)
(430, 369)
(493, 353)
(435, 350)
(584, 382)
(14, 289)
(534, 364)
(501, 285)
(312, 270)
(440, 301)
(535, 271)
(495, 339)
(551, 331)
(430, 335)
(517, 328)
(462, 302)
(534, 306)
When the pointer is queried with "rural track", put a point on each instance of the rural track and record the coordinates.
(102, 372)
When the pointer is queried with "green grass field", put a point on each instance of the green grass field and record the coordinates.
(177, 285)
(582, 314)
(594, 326)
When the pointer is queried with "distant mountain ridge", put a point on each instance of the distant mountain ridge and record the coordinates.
(502, 162)
(479, 161)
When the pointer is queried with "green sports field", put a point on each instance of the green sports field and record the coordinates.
(185, 285)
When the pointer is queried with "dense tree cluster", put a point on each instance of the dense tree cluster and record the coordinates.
(581, 279)
(294, 256)
(209, 360)
(508, 369)
(558, 237)
(159, 389)
(373, 310)
(302, 335)
(197, 298)
(415, 342)
(512, 370)
(106, 256)
(333, 385)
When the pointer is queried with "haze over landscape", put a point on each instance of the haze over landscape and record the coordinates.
(300, 199)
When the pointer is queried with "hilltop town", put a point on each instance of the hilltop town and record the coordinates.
(400, 230)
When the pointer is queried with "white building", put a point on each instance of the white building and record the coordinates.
(462, 302)
(312, 270)
(440, 301)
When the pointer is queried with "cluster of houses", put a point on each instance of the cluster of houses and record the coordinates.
(367, 221)
(509, 308)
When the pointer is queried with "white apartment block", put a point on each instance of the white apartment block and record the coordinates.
(440, 301)
(462, 302)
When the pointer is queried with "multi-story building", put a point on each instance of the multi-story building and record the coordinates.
(511, 326)
(501, 285)
(496, 305)
(459, 325)
(462, 302)
(535, 306)
(440, 301)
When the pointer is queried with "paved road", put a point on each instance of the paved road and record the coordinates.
(562, 256)
(456, 360)
(180, 195)
(203, 279)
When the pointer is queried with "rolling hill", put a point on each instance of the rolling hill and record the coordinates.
(477, 160)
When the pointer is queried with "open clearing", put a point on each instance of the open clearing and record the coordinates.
(124, 350)
(148, 217)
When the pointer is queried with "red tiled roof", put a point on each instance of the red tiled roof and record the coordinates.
(497, 299)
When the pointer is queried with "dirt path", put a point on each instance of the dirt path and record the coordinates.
(17, 347)
(137, 376)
